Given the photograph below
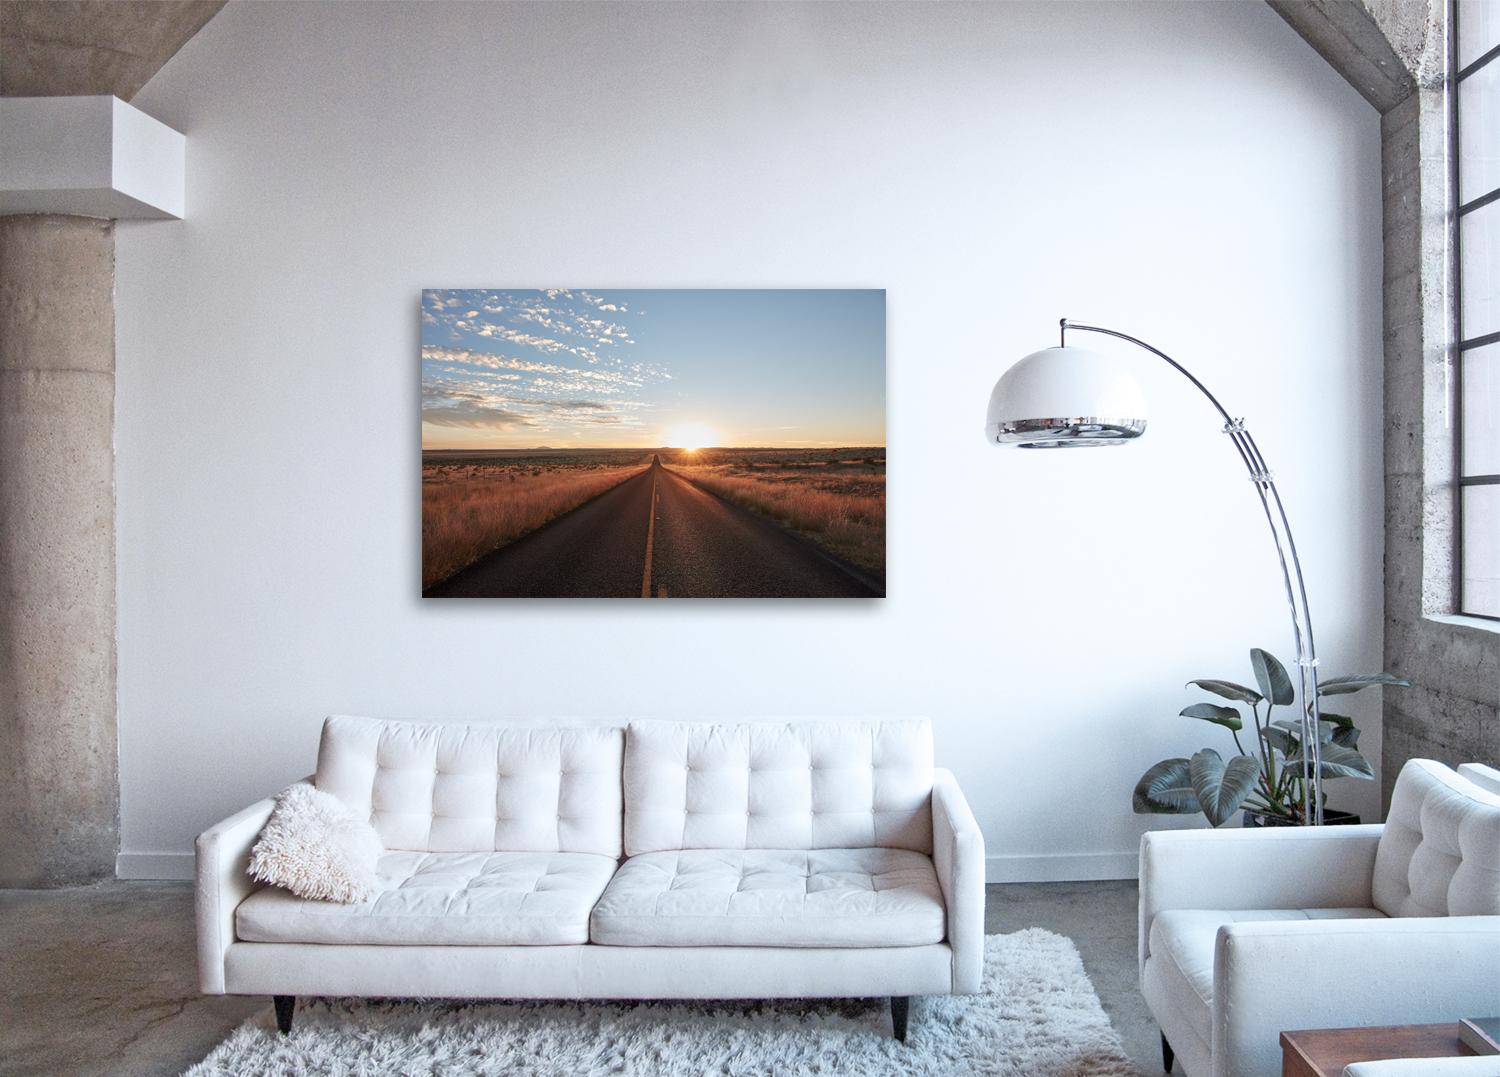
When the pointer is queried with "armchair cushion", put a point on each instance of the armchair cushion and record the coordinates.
(1186, 1021)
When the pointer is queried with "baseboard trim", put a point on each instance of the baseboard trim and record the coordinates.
(154, 866)
(1061, 867)
(1047, 868)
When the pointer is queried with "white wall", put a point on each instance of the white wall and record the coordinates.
(1189, 172)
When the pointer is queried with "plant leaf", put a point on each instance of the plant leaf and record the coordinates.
(1338, 762)
(1346, 736)
(1281, 739)
(1229, 690)
(1227, 717)
(1165, 789)
(1270, 674)
(1338, 686)
(1294, 730)
(1343, 721)
(1222, 787)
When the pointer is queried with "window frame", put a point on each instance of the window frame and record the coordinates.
(1462, 345)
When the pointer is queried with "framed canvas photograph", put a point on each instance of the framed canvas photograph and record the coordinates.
(653, 443)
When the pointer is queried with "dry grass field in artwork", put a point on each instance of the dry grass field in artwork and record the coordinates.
(475, 501)
(835, 497)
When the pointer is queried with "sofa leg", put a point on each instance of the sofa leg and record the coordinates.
(1167, 1057)
(285, 1005)
(900, 1005)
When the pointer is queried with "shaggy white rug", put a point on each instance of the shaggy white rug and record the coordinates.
(1037, 1016)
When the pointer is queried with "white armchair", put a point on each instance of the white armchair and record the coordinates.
(1247, 933)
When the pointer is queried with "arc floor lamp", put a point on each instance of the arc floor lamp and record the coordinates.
(1067, 397)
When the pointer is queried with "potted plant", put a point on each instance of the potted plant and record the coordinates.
(1267, 780)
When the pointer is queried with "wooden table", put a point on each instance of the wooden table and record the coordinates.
(1324, 1052)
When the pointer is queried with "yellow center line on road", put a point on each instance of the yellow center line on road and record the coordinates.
(650, 538)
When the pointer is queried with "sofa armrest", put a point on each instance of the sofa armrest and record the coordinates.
(958, 856)
(1277, 975)
(223, 881)
(1284, 867)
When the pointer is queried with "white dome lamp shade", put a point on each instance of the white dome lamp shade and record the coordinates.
(1064, 397)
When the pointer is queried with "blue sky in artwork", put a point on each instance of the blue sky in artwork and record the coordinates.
(643, 368)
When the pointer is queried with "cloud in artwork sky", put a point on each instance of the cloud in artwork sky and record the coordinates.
(548, 360)
(521, 362)
(453, 405)
(602, 381)
(465, 409)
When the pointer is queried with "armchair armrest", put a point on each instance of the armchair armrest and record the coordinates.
(222, 881)
(1293, 867)
(1487, 778)
(1289, 974)
(1462, 1066)
(958, 856)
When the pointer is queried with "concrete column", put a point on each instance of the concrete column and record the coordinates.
(59, 788)
(1451, 712)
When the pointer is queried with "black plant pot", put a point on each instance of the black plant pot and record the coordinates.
(1331, 817)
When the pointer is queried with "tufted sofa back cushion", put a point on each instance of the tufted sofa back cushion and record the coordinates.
(1439, 854)
(478, 788)
(778, 785)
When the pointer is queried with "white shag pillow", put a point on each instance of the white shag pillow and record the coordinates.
(317, 847)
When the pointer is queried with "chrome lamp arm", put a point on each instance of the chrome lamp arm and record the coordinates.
(1291, 573)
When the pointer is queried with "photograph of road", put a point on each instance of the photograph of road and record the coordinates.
(653, 443)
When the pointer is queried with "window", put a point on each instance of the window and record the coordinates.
(1475, 59)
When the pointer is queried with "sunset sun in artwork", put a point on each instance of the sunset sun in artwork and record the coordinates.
(692, 436)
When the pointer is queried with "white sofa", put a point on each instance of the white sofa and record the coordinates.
(1245, 934)
(638, 860)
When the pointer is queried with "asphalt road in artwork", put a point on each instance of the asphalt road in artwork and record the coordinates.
(657, 535)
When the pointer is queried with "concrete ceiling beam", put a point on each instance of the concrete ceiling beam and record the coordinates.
(51, 48)
(1385, 49)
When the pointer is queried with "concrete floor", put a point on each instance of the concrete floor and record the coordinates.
(101, 979)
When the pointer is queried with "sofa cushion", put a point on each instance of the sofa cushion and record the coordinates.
(478, 788)
(778, 785)
(1439, 854)
(1185, 939)
(317, 847)
(772, 897)
(475, 899)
